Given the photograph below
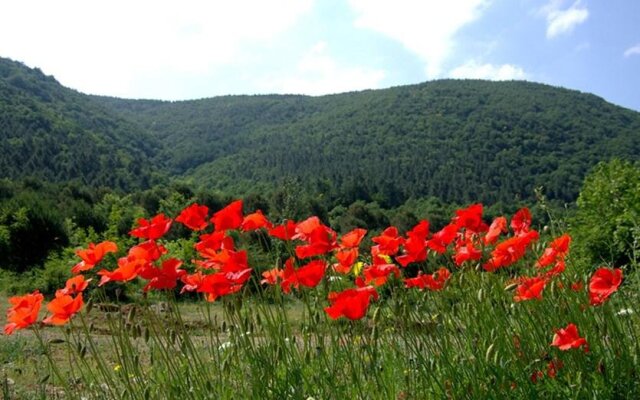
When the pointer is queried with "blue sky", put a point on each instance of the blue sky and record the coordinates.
(194, 49)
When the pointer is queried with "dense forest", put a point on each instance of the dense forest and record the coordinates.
(56, 134)
(457, 141)
(75, 167)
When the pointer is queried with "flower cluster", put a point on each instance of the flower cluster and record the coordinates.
(318, 252)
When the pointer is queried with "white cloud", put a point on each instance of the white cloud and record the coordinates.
(632, 50)
(561, 21)
(318, 73)
(426, 28)
(104, 47)
(473, 70)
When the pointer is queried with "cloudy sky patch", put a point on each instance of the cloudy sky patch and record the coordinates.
(563, 21)
(196, 48)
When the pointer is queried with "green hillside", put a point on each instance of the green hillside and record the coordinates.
(56, 134)
(458, 141)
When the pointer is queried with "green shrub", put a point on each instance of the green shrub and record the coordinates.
(606, 227)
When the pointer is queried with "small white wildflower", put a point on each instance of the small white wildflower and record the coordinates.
(625, 311)
(225, 346)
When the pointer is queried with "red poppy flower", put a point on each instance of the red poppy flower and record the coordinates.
(305, 228)
(561, 244)
(272, 276)
(194, 217)
(321, 240)
(225, 261)
(74, 285)
(237, 261)
(352, 238)
(415, 247)
(23, 312)
(350, 303)
(521, 221)
(346, 258)
(153, 229)
(224, 283)
(93, 255)
(414, 251)
(229, 217)
(210, 244)
(255, 221)
(557, 250)
(443, 238)
(308, 275)
(62, 308)
(510, 250)
(377, 257)
(285, 231)
(162, 278)
(149, 251)
(530, 288)
(420, 231)
(466, 251)
(470, 218)
(557, 269)
(128, 269)
(216, 285)
(497, 227)
(568, 338)
(191, 282)
(435, 281)
(388, 241)
(378, 274)
(604, 282)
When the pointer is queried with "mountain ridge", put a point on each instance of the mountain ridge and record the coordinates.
(457, 140)
(50, 132)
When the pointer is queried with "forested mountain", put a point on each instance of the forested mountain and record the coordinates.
(74, 166)
(56, 134)
(459, 141)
